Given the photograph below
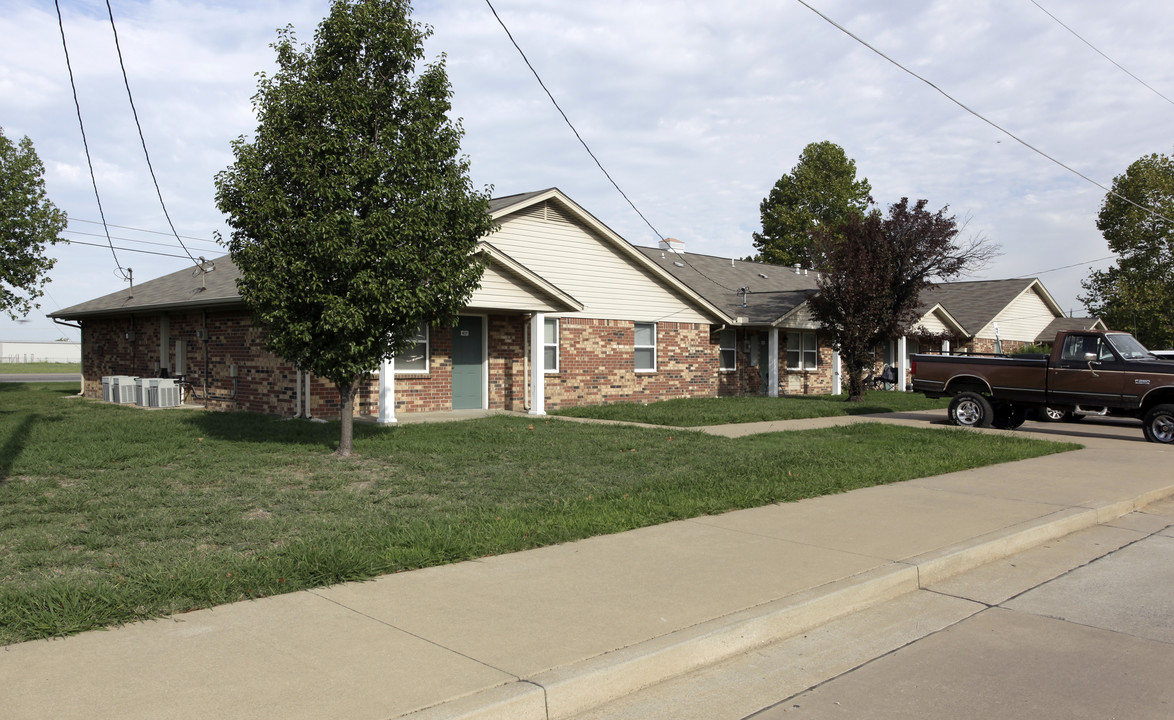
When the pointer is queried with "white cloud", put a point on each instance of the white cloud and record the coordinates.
(694, 110)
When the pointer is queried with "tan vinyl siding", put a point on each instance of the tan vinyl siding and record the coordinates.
(500, 290)
(933, 324)
(802, 319)
(1023, 318)
(589, 268)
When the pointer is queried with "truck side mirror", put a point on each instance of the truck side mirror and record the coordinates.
(1090, 357)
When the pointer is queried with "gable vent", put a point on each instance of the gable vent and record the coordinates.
(546, 212)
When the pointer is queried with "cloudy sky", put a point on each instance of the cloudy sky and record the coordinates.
(695, 109)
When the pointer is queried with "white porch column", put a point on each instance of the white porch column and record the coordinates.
(772, 363)
(837, 373)
(537, 366)
(945, 347)
(902, 361)
(387, 392)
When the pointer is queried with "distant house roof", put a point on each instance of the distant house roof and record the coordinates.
(976, 303)
(1061, 324)
(773, 291)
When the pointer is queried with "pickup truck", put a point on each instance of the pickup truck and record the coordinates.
(1087, 371)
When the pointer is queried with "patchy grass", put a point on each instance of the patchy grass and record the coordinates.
(110, 514)
(40, 367)
(696, 412)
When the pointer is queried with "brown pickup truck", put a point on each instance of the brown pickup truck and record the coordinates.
(1101, 372)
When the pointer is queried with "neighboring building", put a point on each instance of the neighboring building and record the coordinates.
(28, 352)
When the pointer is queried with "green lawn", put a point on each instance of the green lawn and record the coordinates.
(40, 367)
(720, 411)
(110, 513)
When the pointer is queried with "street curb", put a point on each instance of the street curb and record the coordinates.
(561, 693)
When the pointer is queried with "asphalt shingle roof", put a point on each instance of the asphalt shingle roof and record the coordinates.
(774, 290)
(974, 303)
(184, 288)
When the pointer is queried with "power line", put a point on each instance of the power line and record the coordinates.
(126, 239)
(585, 146)
(142, 230)
(142, 139)
(143, 252)
(1066, 267)
(568, 120)
(85, 144)
(1086, 42)
(976, 114)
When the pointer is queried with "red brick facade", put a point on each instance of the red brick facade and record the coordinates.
(597, 365)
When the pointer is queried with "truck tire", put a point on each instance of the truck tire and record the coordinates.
(1008, 416)
(1158, 424)
(969, 409)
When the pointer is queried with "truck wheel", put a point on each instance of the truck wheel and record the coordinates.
(1159, 424)
(1008, 417)
(1049, 414)
(969, 409)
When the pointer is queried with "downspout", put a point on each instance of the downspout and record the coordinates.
(298, 395)
(526, 361)
(82, 388)
(308, 416)
(204, 341)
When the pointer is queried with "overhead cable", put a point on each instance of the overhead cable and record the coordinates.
(85, 144)
(976, 114)
(142, 139)
(568, 120)
(584, 143)
(1086, 42)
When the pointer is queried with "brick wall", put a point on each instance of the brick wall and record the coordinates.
(597, 365)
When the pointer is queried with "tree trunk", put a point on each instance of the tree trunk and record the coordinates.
(855, 384)
(346, 409)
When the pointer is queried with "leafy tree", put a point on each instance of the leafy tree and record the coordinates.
(1137, 294)
(353, 216)
(872, 270)
(821, 191)
(28, 222)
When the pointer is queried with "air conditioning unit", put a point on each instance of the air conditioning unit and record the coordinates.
(107, 388)
(141, 387)
(163, 392)
(123, 389)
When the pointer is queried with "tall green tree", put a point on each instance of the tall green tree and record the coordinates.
(872, 270)
(821, 191)
(1137, 293)
(353, 216)
(29, 222)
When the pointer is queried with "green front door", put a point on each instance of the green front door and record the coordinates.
(468, 364)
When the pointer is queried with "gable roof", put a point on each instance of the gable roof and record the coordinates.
(977, 303)
(773, 291)
(1048, 334)
(511, 204)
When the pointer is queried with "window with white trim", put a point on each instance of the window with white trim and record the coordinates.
(550, 345)
(645, 347)
(802, 351)
(727, 341)
(415, 359)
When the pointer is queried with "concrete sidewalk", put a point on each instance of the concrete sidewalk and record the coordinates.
(554, 632)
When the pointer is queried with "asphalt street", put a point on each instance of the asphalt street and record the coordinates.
(38, 377)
